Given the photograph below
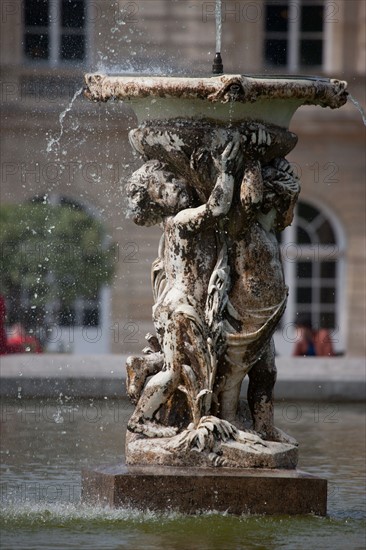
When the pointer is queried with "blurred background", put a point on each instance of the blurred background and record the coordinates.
(75, 271)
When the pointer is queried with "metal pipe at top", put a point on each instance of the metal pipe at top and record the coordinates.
(217, 67)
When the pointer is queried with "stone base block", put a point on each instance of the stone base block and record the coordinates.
(195, 490)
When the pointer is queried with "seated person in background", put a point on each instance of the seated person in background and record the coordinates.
(20, 341)
(310, 342)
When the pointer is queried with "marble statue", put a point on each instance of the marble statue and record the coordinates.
(216, 179)
(219, 293)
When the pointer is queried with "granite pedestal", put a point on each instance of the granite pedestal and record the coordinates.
(194, 490)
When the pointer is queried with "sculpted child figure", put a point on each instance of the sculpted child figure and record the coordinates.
(258, 294)
(190, 254)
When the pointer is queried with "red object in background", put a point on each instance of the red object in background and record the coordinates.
(20, 341)
(24, 343)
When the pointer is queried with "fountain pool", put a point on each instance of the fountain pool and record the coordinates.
(45, 444)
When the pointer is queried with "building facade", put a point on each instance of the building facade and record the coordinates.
(56, 145)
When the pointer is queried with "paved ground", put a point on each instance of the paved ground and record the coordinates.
(48, 375)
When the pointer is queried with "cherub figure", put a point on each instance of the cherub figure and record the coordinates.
(258, 295)
(190, 254)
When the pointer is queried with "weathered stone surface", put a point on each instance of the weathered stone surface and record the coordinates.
(240, 450)
(266, 98)
(186, 146)
(192, 490)
(220, 193)
(215, 179)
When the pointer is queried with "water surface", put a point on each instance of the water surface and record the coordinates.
(45, 444)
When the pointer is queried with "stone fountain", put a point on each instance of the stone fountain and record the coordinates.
(216, 179)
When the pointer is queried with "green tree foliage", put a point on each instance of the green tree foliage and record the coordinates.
(52, 253)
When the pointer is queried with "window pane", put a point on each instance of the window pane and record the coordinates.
(34, 317)
(309, 213)
(66, 317)
(302, 236)
(36, 13)
(91, 317)
(276, 52)
(327, 320)
(304, 295)
(311, 52)
(305, 270)
(36, 46)
(312, 18)
(73, 15)
(72, 47)
(328, 295)
(276, 18)
(328, 270)
(326, 233)
(306, 311)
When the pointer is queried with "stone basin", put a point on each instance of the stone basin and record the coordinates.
(184, 121)
(225, 98)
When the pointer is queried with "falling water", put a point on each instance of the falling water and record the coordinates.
(218, 25)
(55, 141)
(358, 107)
(231, 112)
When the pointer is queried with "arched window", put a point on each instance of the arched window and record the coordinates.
(313, 259)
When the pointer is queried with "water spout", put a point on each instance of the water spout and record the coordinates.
(217, 67)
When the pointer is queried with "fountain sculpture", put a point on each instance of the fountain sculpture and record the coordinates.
(216, 179)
